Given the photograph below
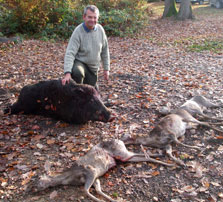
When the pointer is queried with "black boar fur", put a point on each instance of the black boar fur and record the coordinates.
(73, 103)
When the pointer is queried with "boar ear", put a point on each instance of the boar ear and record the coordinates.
(80, 91)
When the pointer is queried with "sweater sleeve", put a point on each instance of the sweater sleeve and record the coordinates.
(71, 51)
(105, 55)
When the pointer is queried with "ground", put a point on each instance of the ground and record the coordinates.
(161, 65)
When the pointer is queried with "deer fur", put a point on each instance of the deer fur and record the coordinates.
(197, 105)
(87, 169)
(187, 117)
(168, 130)
(173, 126)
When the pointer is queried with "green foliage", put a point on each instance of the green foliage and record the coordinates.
(150, 1)
(56, 19)
(115, 22)
(214, 46)
(121, 17)
(32, 16)
(24, 16)
(64, 29)
(115, 194)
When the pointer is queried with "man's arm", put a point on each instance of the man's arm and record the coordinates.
(71, 51)
(105, 56)
(66, 78)
(106, 75)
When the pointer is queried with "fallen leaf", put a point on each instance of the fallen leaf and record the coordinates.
(38, 137)
(188, 188)
(220, 195)
(155, 173)
(110, 183)
(53, 195)
(50, 141)
(220, 148)
(69, 145)
(212, 198)
(27, 177)
(215, 184)
(40, 146)
(35, 127)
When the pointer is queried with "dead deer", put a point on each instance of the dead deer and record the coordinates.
(87, 169)
(197, 104)
(167, 131)
(187, 117)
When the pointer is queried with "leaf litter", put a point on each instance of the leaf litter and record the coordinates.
(147, 72)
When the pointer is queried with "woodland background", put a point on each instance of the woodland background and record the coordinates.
(163, 61)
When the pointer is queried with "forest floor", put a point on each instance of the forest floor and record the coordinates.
(166, 63)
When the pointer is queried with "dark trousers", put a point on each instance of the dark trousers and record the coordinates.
(81, 74)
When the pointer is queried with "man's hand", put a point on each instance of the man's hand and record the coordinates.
(106, 75)
(66, 78)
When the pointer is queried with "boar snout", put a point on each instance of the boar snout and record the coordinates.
(105, 116)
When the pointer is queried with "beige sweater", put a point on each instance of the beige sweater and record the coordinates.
(88, 47)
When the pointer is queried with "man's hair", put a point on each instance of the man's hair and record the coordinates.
(92, 8)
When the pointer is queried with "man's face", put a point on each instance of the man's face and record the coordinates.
(90, 19)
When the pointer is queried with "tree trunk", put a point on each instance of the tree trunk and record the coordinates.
(185, 11)
(170, 8)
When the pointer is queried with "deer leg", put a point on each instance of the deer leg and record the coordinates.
(217, 123)
(97, 186)
(153, 155)
(148, 153)
(212, 127)
(212, 118)
(169, 151)
(142, 158)
(174, 138)
(90, 179)
(205, 124)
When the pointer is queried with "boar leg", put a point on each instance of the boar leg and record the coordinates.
(97, 186)
(169, 153)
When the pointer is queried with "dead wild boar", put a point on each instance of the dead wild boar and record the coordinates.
(72, 103)
(87, 169)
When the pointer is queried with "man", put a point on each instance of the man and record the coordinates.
(88, 46)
